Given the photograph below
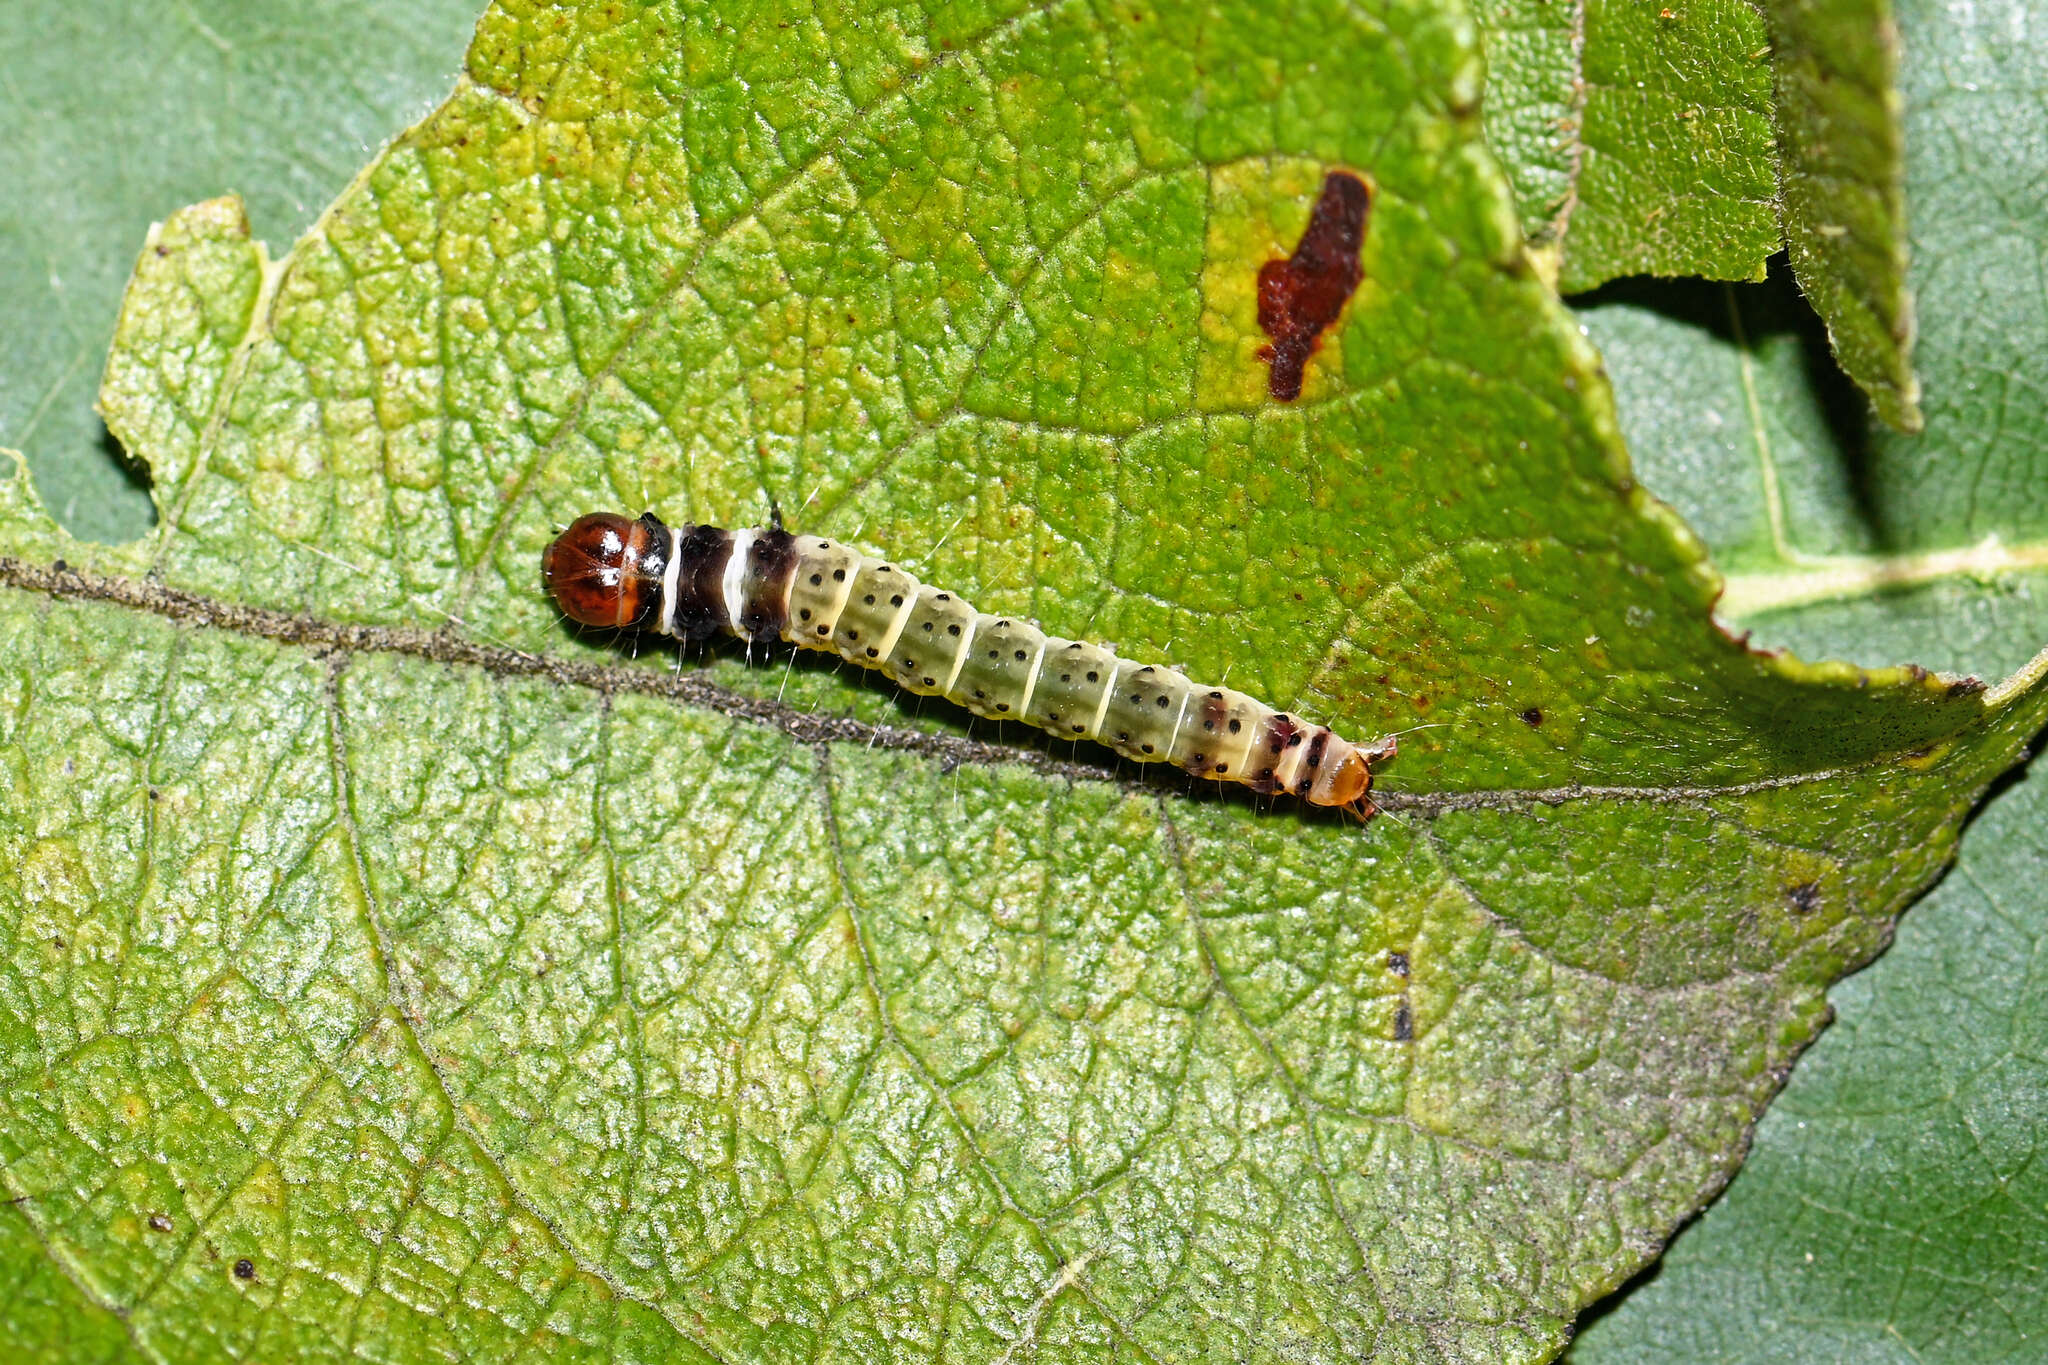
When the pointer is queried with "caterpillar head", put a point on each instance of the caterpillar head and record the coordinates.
(606, 571)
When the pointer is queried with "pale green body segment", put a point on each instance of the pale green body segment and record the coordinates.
(931, 642)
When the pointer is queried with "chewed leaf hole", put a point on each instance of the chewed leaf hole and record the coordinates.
(99, 494)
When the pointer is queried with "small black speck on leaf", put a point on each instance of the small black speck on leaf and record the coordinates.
(245, 1269)
(1533, 717)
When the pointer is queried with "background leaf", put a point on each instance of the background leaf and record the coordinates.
(1931, 1079)
(1841, 137)
(123, 110)
(1648, 139)
(1893, 1207)
(1639, 137)
(437, 933)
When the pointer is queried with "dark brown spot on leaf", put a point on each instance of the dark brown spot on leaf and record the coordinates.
(245, 1269)
(1533, 716)
(1300, 296)
(1805, 897)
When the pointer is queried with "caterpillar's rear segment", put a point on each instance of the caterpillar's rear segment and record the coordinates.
(762, 585)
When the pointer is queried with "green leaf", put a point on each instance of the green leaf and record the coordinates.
(485, 991)
(1639, 137)
(1842, 139)
(47, 1317)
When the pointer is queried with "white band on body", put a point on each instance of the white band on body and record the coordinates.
(1102, 706)
(667, 625)
(960, 658)
(735, 572)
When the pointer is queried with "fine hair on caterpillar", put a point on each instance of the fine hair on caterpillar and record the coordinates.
(765, 584)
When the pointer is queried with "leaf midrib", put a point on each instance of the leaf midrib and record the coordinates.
(65, 582)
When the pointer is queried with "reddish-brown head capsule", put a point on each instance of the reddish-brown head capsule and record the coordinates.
(606, 571)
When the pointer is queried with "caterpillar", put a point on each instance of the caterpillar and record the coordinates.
(692, 582)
